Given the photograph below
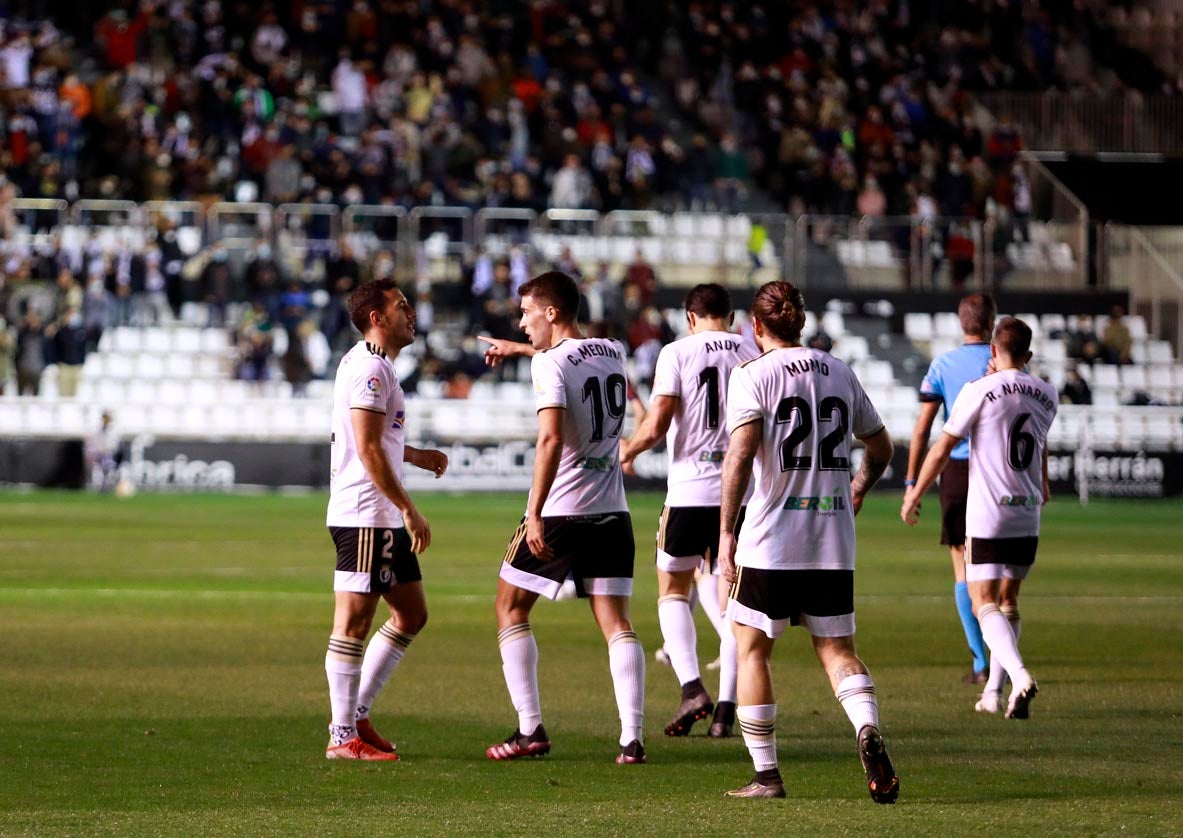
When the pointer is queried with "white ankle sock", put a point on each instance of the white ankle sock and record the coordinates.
(728, 666)
(626, 659)
(385, 650)
(757, 722)
(997, 679)
(1000, 637)
(519, 663)
(856, 694)
(681, 640)
(343, 668)
(708, 595)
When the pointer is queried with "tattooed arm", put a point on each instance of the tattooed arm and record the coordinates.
(876, 459)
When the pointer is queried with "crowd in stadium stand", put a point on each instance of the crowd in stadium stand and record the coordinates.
(841, 107)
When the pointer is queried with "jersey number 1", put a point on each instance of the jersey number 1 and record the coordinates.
(709, 378)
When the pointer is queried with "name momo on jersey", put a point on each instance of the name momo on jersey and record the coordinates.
(815, 503)
(592, 350)
(807, 365)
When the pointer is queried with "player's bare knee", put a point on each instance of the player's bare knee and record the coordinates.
(411, 622)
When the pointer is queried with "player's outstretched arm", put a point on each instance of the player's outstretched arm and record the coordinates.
(367, 430)
(651, 429)
(934, 464)
(737, 473)
(498, 350)
(876, 459)
(428, 459)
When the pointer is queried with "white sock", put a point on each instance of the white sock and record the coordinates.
(708, 594)
(1001, 639)
(626, 659)
(757, 722)
(997, 679)
(343, 668)
(681, 640)
(728, 666)
(385, 650)
(519, 663)
(856, 694)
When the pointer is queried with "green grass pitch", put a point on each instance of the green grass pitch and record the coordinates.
(162, 674)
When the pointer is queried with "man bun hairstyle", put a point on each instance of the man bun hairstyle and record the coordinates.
(367, 297)
(976, 313)
(780, 308)
(710, 299)
(554, 288)
(1013, 338)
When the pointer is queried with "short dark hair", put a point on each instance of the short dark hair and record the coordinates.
(710, 299)
(554, 288)
(780, 308)
(1013, 337)
(367, 297)
(976, 313)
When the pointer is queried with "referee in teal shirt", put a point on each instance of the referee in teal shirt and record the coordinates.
(947, 374)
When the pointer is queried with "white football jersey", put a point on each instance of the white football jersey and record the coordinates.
(586, 378)
(696, 369)
(1006, 416)
(799, 516)
(365, 380)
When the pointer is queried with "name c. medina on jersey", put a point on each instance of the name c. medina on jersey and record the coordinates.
(808, 365)
(1020, 389)
(587, 350)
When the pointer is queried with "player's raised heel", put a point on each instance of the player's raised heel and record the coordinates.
(518, 745)
(771, 787)
(990, 702)
(689, 711)
(724, 720)
(632, 754)
(882, 781)
(367, 733)
(355, 748)
(1020, 702)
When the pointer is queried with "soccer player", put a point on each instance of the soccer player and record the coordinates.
(377, 530)
(1006, 414)
(946, 375)
(577, 522)
(791, 413)
(688, 409)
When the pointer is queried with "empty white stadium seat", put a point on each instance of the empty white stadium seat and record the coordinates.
(918, 326)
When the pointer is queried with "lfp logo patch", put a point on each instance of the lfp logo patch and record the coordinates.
(374, 385)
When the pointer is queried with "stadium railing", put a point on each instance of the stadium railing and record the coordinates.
(881, 253)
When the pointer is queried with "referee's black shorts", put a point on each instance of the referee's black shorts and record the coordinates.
(954, 491)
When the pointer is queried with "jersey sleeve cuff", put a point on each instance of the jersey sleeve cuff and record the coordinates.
(952, 434)
(929, 397)
(733, 428)
(367, 409)
(870, 434)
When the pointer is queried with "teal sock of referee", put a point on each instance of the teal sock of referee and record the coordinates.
(969, 622)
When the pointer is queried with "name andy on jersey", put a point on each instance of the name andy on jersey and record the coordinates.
(589, 350)
(721, 345)
(1021, 389)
